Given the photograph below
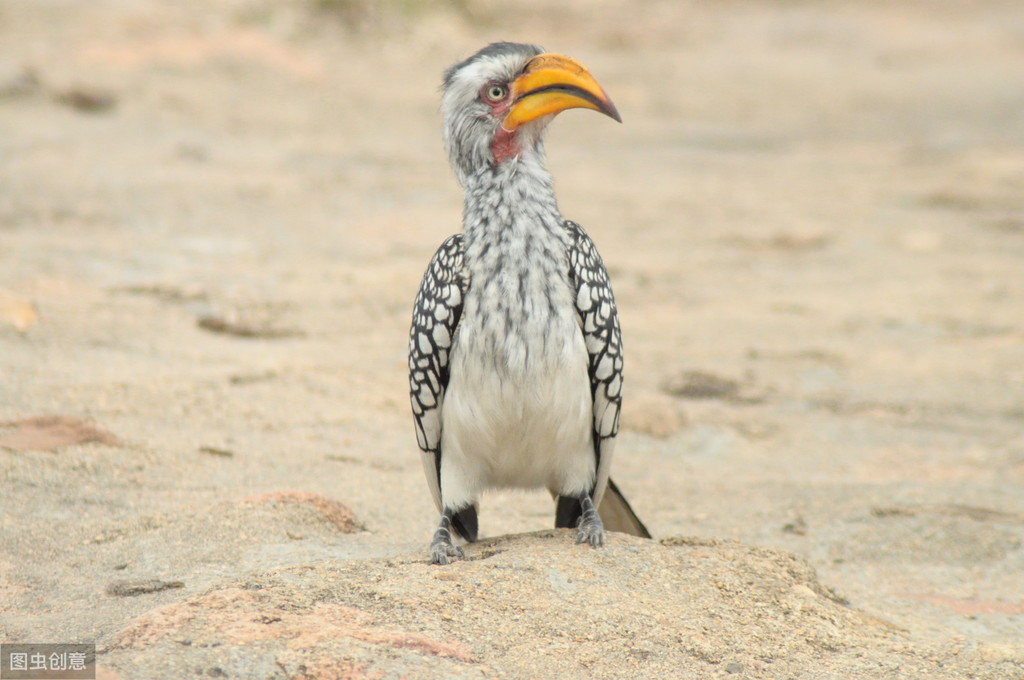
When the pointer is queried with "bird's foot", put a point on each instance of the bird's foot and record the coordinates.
(442, 550)
(590, 528)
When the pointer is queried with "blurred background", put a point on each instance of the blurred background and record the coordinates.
(214, 217)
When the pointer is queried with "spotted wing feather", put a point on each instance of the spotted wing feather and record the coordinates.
(435, 320)
(599, 321)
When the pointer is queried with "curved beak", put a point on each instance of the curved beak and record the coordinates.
(551, 83)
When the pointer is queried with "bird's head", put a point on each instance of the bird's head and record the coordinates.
(497, 103)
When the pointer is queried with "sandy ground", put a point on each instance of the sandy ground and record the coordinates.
(212, 223)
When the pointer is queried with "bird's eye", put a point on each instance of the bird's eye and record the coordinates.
(495, 92)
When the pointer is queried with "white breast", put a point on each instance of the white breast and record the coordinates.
(527, 428)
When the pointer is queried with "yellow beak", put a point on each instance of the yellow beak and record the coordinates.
(552, 83)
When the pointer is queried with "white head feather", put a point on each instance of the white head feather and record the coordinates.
(470, 123)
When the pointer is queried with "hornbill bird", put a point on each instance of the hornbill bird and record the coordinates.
(515, 354)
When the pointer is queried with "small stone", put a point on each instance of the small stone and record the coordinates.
(701, 385)
(19, 84)
(88, 99)
(734, 667)
(216, 451)
(797, 527)
(141, 587)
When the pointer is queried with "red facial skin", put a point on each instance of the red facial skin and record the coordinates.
(505, 146)
(506, 142)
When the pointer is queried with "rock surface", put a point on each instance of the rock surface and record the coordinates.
(536, 605)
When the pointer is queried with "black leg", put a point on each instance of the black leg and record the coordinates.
(591, 529)
(442, 551)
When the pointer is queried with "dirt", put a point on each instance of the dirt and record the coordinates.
(212, 225)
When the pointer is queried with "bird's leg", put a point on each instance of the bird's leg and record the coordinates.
(590, 527)
(442, 550)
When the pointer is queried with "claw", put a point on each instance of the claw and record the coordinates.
(592, 535)
(441, 553)
(590, 528)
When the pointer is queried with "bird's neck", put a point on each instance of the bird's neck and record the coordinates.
(511, 205)
(518, 314)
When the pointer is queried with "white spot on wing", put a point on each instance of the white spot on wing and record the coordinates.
(607, 425)
(615, 385)
(441, 336)
(583, 298)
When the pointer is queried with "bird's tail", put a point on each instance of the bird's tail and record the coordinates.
(617, 514)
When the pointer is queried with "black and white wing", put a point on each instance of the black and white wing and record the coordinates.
(599, 322)
(435, 319)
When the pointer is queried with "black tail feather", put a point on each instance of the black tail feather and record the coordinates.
(616, 513)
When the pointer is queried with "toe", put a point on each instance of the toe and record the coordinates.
(594, 535)
(442, 553)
